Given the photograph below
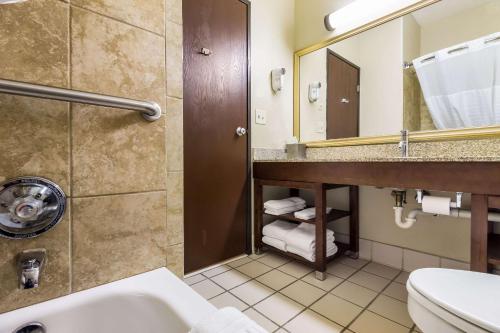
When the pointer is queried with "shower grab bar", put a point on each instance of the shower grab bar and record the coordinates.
(151, 111)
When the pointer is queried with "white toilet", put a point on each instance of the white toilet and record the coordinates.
(446, 300)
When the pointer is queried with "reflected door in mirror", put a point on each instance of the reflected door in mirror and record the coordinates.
(342, 97)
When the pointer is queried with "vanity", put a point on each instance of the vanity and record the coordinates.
(482, 179)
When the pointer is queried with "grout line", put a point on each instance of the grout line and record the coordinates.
(116, 19)
(70, 142)
(114, 194)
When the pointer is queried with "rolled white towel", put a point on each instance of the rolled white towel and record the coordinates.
(304, 237)
(274, 242)
(227, 320)
(278, 229)
(282, 211)
(284, 203)
(309, 213)
(311, 255)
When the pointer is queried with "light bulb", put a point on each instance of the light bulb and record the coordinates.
(6, 2)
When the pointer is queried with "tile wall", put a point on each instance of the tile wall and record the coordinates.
(123, 176)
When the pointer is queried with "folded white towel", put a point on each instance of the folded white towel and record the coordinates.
(284, 203)
(309, 213)
(227, 320)
(331, 249)
(278, 229)
(303, 237)
(281, 211)
(274, 242)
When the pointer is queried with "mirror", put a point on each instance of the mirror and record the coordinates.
(437, 68)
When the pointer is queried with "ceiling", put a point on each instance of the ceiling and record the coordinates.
(445, 8)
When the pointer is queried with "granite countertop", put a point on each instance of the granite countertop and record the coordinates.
(389, 159)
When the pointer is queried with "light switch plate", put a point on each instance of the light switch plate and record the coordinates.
(260, 116)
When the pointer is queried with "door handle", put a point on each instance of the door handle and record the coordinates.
(205, 51)
(240, 131)
(344, 100)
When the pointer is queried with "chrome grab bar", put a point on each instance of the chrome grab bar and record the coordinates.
(151, 111)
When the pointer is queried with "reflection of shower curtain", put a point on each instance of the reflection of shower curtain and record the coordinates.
(461, 84)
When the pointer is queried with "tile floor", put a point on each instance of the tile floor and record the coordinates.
(282, 295)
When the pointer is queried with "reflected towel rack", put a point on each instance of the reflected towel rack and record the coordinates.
(151, 111)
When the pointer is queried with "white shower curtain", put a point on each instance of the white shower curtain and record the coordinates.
(461, 84)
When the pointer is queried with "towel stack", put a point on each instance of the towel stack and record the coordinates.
(298, 239)
(284, 206)
(309, 213)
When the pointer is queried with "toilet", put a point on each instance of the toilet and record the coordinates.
(446, 300)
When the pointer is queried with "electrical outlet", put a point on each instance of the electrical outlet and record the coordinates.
(260, 116)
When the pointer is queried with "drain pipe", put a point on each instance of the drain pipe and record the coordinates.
(400, 197)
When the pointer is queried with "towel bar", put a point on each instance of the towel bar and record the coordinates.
(151, 111)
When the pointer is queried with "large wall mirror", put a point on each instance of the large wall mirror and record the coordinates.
(434, 71)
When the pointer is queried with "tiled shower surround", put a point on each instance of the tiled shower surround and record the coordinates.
(122, 175)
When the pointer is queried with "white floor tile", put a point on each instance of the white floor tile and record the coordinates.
(309, 321)
(207, 289)
(279, 308)
(276, 279)
(355, 263)
(226, 299)
(398, 291)
(216, 271)
(261, 320)
(392, 309)
(381, 270)
(303, 293)
(340, 270)
(254, 269)
(274, 260)
(252, 292)
(369, 281)
(369, 322)
(194, 279)
(239, 262)
(402, 277)
(328, 284)
(295, 269)
(336, 309)
(230, 279)
(354, 293)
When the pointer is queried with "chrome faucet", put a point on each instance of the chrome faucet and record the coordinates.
(30, 264)
(404, 143)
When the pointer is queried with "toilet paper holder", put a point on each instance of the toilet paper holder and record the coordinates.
(456, 204)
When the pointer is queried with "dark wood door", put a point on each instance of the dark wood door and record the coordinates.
(216, 169)
(342, 115)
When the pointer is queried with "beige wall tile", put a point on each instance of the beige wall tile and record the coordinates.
(34, 42)
(175, 141)
(413, 260)
(175, 208)
(174, 59)
(34, 134)
(387, 254)
(144, 14)
(116, 151)
(117, 236)
(55, 279)
(175, 259)
(114, 58)
(173, 10)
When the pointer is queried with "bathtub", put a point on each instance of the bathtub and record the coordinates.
(156, 301)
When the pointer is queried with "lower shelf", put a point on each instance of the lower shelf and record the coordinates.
(494, 249)
(342, 248)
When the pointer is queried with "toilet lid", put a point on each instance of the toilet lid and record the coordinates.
(471, 296)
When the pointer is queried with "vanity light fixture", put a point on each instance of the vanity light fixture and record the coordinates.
(6, 2)
(277, 79)
(360, 12)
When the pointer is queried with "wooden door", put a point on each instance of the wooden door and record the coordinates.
(216, 168)
(342, 115)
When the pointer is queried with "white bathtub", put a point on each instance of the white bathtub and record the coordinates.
(156, 301)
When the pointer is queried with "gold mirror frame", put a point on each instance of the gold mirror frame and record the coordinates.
(420, 136)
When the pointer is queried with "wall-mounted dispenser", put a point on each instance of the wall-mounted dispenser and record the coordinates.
(277, 79)
(314, 91)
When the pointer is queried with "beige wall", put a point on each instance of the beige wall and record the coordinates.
(272, 47)
(463, 26)
(125, 200)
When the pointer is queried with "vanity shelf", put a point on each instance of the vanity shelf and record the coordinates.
(335, 214)
(320, 221)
